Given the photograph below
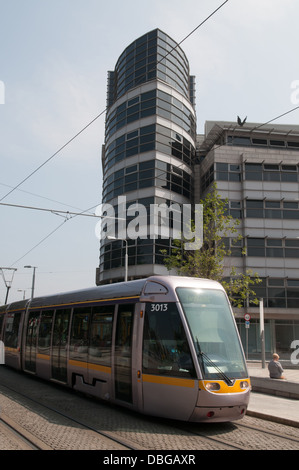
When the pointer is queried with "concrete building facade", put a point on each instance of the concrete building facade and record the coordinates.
(256, 169)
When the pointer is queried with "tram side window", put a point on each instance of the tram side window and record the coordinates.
(59, 344)
(101, 334)
(165, 347)
(12, 329)
(60, 330)
(79, 333)
(31, 337)
(45, 328)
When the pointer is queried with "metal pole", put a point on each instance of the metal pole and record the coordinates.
(246, 330)
(7, 292)
(33, 278)
(7, 283)
(33, 282)
(262, 333)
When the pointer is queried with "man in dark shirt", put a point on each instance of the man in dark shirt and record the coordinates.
(275, 368)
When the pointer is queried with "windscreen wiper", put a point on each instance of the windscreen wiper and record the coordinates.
(212, 363)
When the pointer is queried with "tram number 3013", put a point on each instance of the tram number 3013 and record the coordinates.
(159, 307)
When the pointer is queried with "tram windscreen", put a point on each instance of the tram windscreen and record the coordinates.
(214, 332)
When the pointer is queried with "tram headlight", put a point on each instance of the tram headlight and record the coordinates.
(244, 384)
(212, 386)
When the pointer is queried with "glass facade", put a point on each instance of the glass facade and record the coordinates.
(153, 56)
(150, 142)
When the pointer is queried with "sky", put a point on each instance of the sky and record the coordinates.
(54, 59)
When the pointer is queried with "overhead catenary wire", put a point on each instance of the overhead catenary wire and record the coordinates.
(85, 213)
(236, 127)
(49, 234)
(66, 214)
(42, 197)
(277, 117)
(39, 243)
(72, 139)
(101, 113)
(52, 156)
(70, 215)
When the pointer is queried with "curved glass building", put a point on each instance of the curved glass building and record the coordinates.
(150, 141)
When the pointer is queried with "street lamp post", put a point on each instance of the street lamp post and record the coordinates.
(126, 254)
(33, 279)
(262, 332)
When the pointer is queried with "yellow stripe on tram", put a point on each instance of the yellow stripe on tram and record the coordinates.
(177, 382)
(46, 357)
(89, 365)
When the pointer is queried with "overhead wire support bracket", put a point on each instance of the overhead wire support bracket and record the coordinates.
(7, 282)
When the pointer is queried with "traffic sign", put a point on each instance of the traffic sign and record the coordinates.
(247, 316)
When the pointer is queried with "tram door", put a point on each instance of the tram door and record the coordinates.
(59, 344)
(123, 353)
(31, 341)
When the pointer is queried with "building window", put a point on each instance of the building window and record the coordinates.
(257, 208)
(258, 142)
(276, 293)
(273, 247)
(148, 174)
(207, 178)
(146, 139)
(228, 172)
(271, 172)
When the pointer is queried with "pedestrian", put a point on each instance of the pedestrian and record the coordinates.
(275, 368)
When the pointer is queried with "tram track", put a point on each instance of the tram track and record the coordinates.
(244, 435)
(37, 444)
(22, 438)
(206, 442)
(124, 430)
(270, 432)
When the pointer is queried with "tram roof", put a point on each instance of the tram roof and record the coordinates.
(104, 292)
(114, 291)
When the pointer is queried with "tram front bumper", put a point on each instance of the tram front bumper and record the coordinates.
(218, 401)
(204, 414)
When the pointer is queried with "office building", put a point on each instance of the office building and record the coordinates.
(256, 169)
(150, 139)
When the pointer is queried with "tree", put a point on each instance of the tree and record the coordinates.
(208, 261)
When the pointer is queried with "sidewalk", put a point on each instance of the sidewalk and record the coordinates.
(274, 399)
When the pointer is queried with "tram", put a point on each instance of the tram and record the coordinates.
(165, 346)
